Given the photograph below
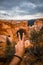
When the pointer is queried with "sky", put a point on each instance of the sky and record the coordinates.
(21, 9)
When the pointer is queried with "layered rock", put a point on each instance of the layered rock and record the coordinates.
(11, 27)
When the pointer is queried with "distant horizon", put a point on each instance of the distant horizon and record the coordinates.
(21, 18)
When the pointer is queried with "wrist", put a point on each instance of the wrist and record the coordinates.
(20, 58)
(19, 54)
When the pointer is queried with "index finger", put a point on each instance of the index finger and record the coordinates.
(19, 36)
(23, 37)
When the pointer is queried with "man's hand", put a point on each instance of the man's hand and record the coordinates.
(20, 46)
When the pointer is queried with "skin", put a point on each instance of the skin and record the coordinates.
(28, 43)
(19, 50)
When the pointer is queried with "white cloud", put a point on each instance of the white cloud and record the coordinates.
(25, 17)
(2, 11)
(15, 12)
(21, 9)
(40, 5)
(28, 4)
